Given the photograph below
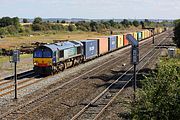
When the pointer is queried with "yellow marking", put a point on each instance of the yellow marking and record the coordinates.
(42, 60)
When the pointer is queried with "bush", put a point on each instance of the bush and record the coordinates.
(135, 23)
(177, 33)
(71, 28)
(37, 27)
(159, 98)
(3, 31)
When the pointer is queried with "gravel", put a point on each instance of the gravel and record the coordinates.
(60, 77)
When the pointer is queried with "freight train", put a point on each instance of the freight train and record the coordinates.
(55, 57)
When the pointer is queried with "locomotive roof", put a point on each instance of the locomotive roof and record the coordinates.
(63, 45)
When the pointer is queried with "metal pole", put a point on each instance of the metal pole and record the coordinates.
(153, 37)
(15, 80)
(134, 84)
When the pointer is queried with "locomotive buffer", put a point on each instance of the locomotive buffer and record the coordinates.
(134, 57)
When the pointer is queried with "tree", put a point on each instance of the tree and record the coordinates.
(37, 20)
(177, 33)
(57, 21)
(25, 20)
(125, 23)
(142, 24)
(106, 24)
(7, 21)
(135, 23)
(112, 23)
(63, 21)
(16, 21)
(93, 26)
(147, 22)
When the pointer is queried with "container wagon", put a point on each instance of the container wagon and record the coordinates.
(112, 43)
(90, 49)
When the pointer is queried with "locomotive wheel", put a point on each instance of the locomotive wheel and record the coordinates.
(61, 66)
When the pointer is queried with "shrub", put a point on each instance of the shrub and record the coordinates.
(71, 28)
(135, 23)
(177, 33)
(3, 31)
(159, 98)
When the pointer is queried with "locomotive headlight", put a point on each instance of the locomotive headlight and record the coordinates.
(35, 63)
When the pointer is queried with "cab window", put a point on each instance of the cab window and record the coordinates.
(46, 53)
(61, 54)
(38, 53)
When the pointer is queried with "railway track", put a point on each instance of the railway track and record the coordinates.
(107, 109)
(19, 75)
(46, 94)
(9, 79)
(97, 106)
(8, 84)
(23, 80)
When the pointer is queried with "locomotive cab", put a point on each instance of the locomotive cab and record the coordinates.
(53, 58)
(43, 60)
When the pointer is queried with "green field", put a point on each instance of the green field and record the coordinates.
(16, 41)
(12, 42)
(5, 59)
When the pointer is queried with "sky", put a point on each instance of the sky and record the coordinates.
(91, 9)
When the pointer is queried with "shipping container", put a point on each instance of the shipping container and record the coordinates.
(139, 36)
(125, 40)
(102, 45)
(158, 30)
(112, 43)
(119, 41)
(146, 34)
(90, 48)
(135, 35)
(150, 33)
(143, 34)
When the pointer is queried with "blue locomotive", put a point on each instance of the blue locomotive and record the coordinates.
(52, 58)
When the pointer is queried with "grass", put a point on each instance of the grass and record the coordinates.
(5, 59)
(12, 42)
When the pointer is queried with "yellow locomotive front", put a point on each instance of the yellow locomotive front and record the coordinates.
(42, 60)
